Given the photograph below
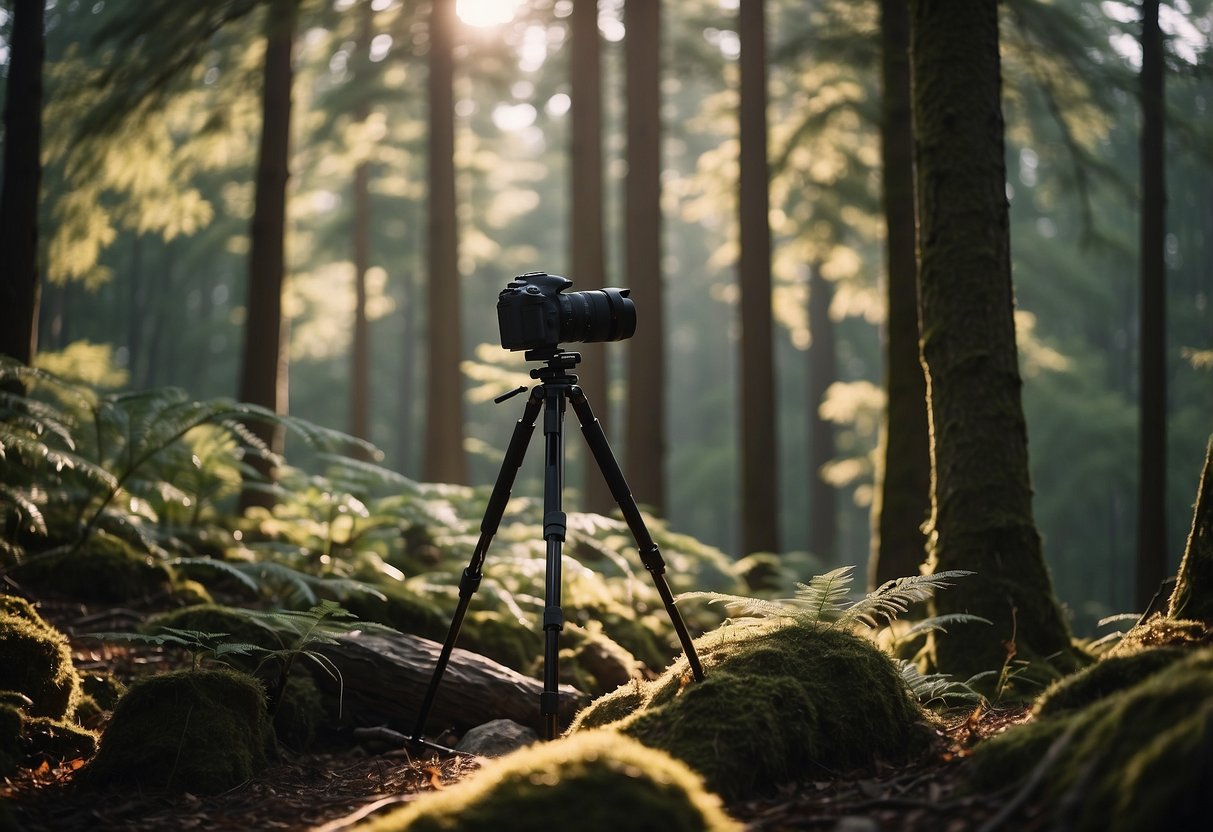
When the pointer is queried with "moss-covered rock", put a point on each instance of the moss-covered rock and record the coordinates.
(105, 569)
(594, 782)
(202, 731)
(1138, 759)
(216, 618)
(36, 661)
(778, 703)
(501, 637)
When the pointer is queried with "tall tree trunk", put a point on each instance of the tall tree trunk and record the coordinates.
(264, 362)
(823, 371)
(645, 423)
(1193, 594)
(902, 499)
(444, 455)
(1152, 445)
(981, 498)
(360, 353)
(588, 257)
(758, 427)
(19, 286)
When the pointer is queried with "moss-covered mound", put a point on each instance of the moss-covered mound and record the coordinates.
(1138, 759)
(1109, 675)
(201, 731)
(594, 782)
(105, 569)
(28, 740)
(778, 703)
(10, 738)
(35, 661)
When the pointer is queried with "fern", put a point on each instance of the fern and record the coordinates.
(823, 601)
(930, 688)
(895, 597)
(200, 644)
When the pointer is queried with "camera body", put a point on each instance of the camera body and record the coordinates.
(535, 313)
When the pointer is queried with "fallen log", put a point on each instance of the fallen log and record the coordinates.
(385, 677)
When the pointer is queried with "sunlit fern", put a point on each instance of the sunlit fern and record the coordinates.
(824, 600)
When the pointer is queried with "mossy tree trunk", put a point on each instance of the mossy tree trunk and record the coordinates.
(981, 498)
(360, 353)
(1193, 594)
(903, 480)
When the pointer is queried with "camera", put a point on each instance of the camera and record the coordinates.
(534, 313)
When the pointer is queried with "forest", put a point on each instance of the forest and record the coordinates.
(865, 479)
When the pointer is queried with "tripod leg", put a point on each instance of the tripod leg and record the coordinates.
(650, 555)
(554, 527)
(470, 581)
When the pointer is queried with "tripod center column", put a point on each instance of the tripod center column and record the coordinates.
(554, 528)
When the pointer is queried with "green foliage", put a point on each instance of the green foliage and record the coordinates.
(198, 731)
(591, 780)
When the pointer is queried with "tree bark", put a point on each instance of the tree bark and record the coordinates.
(645, 421)
(20, 284)
(586, 235)
(445, 460)
(981, 498)
(760, 528)
(263, 374)
(823, 371)
(1193, 594)
(1152, 444)
(902, 500)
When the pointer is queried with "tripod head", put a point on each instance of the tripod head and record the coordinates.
(558, 364)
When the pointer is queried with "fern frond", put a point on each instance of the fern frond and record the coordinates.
(27, 509)
(823, 597)
(936, 687)
(227, 570)
(745, 606)
(940, 623)
(895, 597)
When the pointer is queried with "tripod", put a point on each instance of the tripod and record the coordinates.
(557, 386)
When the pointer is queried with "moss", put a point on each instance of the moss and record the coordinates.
(202, 731)
(88, 713)
(777, 704)
(216, 618)
(1137, 759)
(1109, 675)
(103, 687)
(106, 569)
(592, 661)
(503, 638)
(400, 608)
(54, 739)
(13, 605)
(35, 661)
(596, 782)
(28, 739)
(612, 707)
(300, 713)
(1160, 631)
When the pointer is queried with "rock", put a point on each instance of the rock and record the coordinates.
(496, 738)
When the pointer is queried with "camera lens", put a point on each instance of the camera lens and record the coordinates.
(597, 315)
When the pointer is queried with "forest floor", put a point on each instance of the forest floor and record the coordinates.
(335, 790)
